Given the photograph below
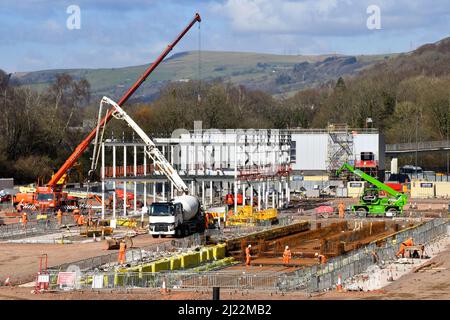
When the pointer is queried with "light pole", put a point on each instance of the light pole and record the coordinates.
(448, 118)
(417, 142)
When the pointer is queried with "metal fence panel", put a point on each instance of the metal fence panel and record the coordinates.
(358, 261)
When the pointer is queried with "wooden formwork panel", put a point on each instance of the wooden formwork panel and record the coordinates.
(297, 239)
(335, 245)
(235, 244)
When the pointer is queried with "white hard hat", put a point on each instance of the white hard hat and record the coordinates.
(287, 247)
(249, 245)
(316, 254)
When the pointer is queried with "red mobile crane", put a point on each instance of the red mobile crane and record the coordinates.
(52, 195)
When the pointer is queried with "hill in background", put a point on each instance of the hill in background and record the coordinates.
(279, 75)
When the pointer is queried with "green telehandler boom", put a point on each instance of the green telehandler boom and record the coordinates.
(371, 201)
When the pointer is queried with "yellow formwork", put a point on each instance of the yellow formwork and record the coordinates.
(219, 251)
(214, 264)
(175, 263)
(118, 280)
(147, 267)
(190, 260)
(209, 253)
(203, 255)
(136, 269)
(183, 261)
(161, 265)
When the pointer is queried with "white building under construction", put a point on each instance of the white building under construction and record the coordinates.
(252, 162)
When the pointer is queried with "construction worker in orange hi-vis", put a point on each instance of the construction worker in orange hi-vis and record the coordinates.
(287, 255)
(206, 220)
(247, 255)
(407, 243)
(320, 258)
(76, 215)
(122, 250)
(59, 216)
(80, 220)
(24, 219)
(341, 209)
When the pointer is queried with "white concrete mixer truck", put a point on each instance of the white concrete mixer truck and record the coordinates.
(179, 217)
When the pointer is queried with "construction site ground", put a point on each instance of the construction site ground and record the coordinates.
(430, 284)
(20, 261)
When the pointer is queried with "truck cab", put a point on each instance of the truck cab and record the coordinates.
(164, 217)
(178, 217)
(49, 200)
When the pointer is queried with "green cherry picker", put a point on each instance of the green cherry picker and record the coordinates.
(372, 201)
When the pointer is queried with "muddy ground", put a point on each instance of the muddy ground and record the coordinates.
(433, 283)
(20, 261)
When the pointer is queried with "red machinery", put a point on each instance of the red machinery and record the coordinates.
(57, 181)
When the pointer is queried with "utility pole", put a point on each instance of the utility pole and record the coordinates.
(448, 118)
(417, 140)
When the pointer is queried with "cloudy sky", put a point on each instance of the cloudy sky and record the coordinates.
(115, 33)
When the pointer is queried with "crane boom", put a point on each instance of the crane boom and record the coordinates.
(151, 149)
(371, 180)
(85, 143)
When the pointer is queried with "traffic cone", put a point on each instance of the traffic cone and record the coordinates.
(164, 288)
(390, 277)
(7, 281)
(339, 284)
(94, 237)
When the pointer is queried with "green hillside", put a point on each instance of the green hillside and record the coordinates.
(275, 74)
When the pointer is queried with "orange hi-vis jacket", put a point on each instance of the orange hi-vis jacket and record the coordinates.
(287, 255)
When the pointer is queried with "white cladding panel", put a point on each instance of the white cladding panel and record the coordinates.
(215, 150)
(370, 143)
(311, 151)
(366, 143)
(222, 150)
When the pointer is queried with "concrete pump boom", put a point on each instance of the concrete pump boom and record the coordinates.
(151, 149)
(85, 143)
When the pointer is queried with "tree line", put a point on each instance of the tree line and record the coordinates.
(36, 126)
(406, 98)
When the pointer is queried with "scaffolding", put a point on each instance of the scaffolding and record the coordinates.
(340, 146)
(255, 164)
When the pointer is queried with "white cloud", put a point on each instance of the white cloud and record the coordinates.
(278, 16)
(120, 33)
(327, 17)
